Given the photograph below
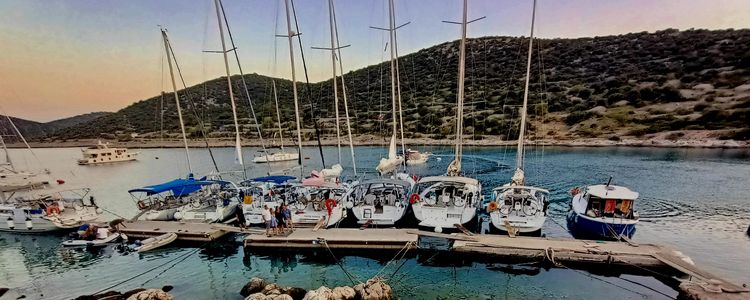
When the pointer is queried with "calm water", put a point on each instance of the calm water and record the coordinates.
(695, 200)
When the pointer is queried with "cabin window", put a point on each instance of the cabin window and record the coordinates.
(94, 155)
(612, 208)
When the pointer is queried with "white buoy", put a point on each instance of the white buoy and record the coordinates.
(178, 215)
(29, 225)
(439, 229)
(11, 224)
(349, 204)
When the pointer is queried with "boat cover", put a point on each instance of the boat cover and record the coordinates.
(275, 179)
(179, 187)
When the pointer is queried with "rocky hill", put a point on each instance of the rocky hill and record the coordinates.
(674, 84)
(33, 130)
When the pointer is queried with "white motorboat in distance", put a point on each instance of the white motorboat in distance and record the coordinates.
(276, 157)
(102, 153)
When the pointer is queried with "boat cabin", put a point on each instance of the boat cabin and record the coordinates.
(609, 201)
(443, 191)
(381, 192)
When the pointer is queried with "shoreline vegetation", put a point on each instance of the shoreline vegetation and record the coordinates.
(414, 143)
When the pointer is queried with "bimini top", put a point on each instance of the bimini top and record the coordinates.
(178, 187)
(274, 179)
(611, 192)
(458, 179)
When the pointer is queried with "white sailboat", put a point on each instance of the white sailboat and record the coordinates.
(518, 207)
(29, 204)
(449, 201)
(281, 155)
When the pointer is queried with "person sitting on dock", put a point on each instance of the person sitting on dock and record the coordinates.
(266, 215)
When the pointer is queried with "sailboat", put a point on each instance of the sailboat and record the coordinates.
(518, 207)
(452, 200)
(29, 204)
(281, 155)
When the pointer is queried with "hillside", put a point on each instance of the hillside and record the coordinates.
(677, 84)
(33, 130)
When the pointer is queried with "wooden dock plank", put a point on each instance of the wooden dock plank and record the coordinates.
(196, 232)
(341, 238)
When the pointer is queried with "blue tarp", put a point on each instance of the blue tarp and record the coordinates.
(179, 187)
(275, 179)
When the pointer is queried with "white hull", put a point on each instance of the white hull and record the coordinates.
(111, 238)
(386, 215)
(161, 215)
(16, 221)
(310, 216)
(208, 214)
(519, 224)
(276, 157)
(156, 242)
(113, 159)
(103, 154)
(442, 217)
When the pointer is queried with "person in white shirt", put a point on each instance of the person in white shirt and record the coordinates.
(266, 215)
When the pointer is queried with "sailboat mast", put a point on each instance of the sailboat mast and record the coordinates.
(167, 47)
(460, 100)
(343, 90)
(391, 27)
(398, 82)
(520, 151)
(237, 141)
(290, 36)
(335, 82)
(278, 115)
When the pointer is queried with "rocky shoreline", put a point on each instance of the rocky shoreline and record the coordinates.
(370, 140)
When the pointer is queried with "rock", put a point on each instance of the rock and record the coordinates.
(598, 110)
(257, 296)
(255, 285)
(261, 296)
(343, 293)
(127, 294)
(374, 289)
(322, 293)
(295, 292)
(151, 294)
(621, 103)
(271, 289)
(706, 87)
(742, 88)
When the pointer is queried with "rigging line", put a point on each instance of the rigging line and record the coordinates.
(352, 278)
(403, 249)
(189, 253)
(193, 107)
(244, 85)
(314, 111)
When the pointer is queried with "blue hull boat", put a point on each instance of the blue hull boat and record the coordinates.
(584, 227)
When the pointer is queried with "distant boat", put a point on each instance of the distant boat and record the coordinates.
(414, 157)
(516, 206)
(390, 164)
(603, 212)
(102, 153)
(281, 155)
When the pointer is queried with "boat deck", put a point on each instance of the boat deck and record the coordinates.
(193, 232)
(338, 238)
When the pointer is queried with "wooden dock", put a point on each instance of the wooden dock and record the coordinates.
(339, 238)
(191, 232)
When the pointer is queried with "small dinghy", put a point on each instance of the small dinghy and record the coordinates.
(156, 242)
(91, 236)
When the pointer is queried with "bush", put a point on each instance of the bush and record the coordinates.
(700, 107)
(578, 116)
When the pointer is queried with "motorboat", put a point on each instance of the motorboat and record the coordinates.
(414, 157)
(215, 202)
(276, 157)
(603, 212)
(261, 192)
(442, 202)
(89, 235)
(101, 153)
(381, 201)
(155, 242)
(160, 202)
(47, 210)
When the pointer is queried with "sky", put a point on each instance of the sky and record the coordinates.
(66, 57)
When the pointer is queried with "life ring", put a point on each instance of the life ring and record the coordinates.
(330, 203)
(574, 191)
(492, 206)
(53, 209)
(414, 198)
(141, 205)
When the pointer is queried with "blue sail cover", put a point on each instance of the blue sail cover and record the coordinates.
(179, 187)
(275, 179)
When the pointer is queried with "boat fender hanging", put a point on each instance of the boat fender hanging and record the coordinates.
(574, 191)
(492, 206)
(141, 205)
(53, 209)
(11, 224)
(414, 198)
(398, 204)
(29, 224)
(60, 181)
(330, 203)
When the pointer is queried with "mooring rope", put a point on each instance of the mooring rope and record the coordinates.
(351, 276)
(403, 249)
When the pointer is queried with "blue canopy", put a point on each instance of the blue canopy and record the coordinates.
(275, 179)
(179, 187)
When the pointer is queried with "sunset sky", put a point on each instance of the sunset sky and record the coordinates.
(66, 57)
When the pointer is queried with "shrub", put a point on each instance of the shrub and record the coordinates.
(700, 107)
(578, 116)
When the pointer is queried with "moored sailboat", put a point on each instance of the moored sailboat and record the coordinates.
(449, 201)
(516, 206)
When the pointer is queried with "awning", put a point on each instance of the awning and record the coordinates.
(178, 187)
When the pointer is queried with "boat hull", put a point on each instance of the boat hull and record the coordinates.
(519, 224)
(582, 226)
(442, 217)
(254, 213)
(114, 159)
(311, 217)
(276, 157)
(160, 215)
(218, 214)
(388, 215)
(16, 222)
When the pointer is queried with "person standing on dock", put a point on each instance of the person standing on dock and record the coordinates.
(274, 221)
(280, 218)
(266, 215)
(287, 217)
